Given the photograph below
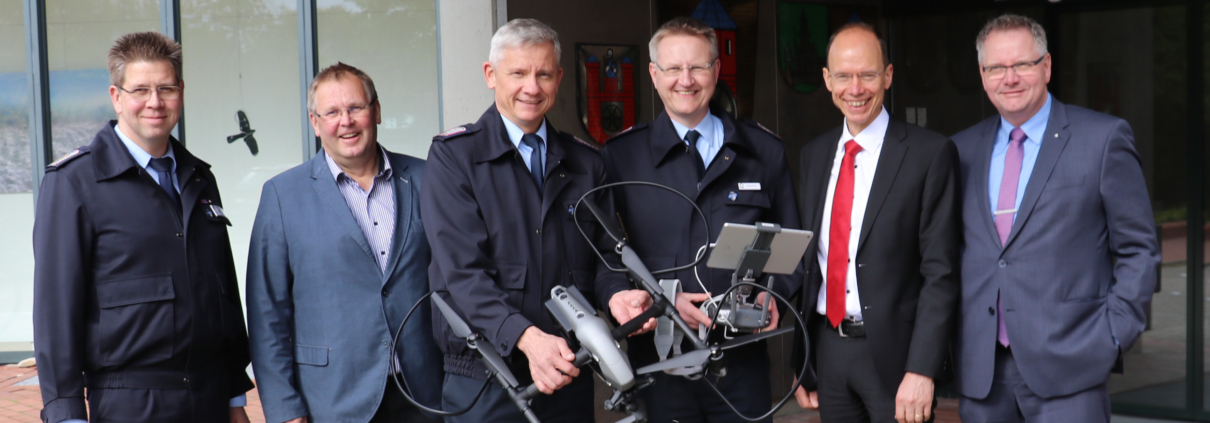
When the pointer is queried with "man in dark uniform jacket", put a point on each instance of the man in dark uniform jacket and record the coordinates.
(135, 292)
(736, 172)
(497, 206)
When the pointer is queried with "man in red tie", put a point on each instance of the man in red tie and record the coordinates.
(882, 281)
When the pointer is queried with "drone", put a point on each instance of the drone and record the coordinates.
(598, 346)
(245, 132)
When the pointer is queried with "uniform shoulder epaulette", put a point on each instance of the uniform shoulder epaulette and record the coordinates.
(757, 125)
(591, 145)
(456, 132)
(74, 154)
(636, 127)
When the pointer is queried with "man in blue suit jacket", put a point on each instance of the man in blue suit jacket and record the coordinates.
(338, 257)
(1060, 248)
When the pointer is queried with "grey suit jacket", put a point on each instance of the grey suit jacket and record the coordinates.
(1078, 268)
(320, 312)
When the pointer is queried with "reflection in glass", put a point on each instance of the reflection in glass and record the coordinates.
(1127, 63)
(16, 198)
(79, 34)
(15, 171)
(241, 99)
(395, 42)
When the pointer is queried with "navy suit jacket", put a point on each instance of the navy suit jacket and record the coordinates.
(1078, 268)
(321, 312)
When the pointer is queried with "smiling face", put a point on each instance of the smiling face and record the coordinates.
(346, 136)
(526, 80)
(149, 122)
(1017, 96)
(854, 53)
(686, 96)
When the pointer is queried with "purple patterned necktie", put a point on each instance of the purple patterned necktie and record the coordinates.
(1006, 206)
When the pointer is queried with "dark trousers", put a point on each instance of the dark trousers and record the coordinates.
(395, 409)
(572, 404)
(1011, 401)
(850, 389)
(746, 386)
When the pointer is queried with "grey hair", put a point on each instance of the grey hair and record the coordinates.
(522, 33)
(684, 26)
(1007, 22)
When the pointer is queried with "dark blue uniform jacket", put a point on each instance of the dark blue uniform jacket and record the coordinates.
(499, 245)
(130, 294)
(665, 230)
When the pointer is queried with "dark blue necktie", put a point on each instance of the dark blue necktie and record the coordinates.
(700, 164)
(535, 157)
(163, 167)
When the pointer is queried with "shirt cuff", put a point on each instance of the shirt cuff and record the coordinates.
(239, 401)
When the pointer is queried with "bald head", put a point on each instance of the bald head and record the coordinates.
(858, 74)
(859, 31)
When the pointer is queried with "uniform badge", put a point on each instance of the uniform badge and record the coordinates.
(732, 196)
(749, 186)
(571, 209)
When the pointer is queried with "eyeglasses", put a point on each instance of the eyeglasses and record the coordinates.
(846, 78)
(694, 70)
(167, 92)
(354, 112)
(997, 72)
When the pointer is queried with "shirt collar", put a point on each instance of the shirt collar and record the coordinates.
(141, 156)
(384, 170)
(1034, 128)
(870, 138)
(515, 133)
(710, 125)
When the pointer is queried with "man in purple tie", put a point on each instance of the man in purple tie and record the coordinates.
(1060, 248)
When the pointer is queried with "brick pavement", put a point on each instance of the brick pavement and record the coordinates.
(21, 404)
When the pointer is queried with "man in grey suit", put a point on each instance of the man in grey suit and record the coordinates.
(1060, 248)
(338, 257)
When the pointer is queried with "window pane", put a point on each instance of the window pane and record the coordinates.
(241, 56)
(1127, 63)
(16, 200)
(79, 34)
(395, 42)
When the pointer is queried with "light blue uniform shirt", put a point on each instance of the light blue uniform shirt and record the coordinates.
(1035, 131)
(143, 158)
(514, 135)
(711, 141)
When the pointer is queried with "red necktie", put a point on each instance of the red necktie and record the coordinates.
(838, 235)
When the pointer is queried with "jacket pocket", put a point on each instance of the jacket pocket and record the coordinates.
(512, 281)
(756, 199)
(135, 321)
(314, 356)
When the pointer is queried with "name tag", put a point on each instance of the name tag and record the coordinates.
(749, 186)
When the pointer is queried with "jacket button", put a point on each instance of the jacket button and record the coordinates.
(538, 231)
(991, 311)
(386, 293)
(503, 346)
(384, 342)
(186, 380)
(1003, 264)
(178, 234)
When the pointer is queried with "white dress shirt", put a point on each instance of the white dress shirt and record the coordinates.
(865, 163)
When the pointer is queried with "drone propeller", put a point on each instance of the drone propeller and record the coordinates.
(462, 330)
(459, 326)
(610, 225)
(690, 359)
(748, 339)
(697, 358)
